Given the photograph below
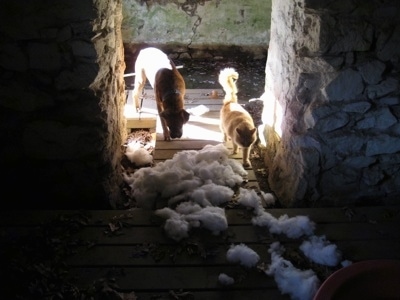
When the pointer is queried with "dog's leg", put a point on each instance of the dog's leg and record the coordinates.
(167, 136)
(246, 157)
(225, 137)
(140, 81)
(235, 148)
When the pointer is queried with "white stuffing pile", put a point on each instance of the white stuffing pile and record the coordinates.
(299, 284)
(250, 199)
(321, 251)
(183, 177)
(138, 155)
(243, 255)
(188, 215)
(294, 227)
(225, 279)
(195, 183)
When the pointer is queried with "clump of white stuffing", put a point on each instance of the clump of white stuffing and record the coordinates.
(293, 227)
(210, 217)
(346, 263)
(250, 199)
(209, 194)
(299, 284)
(189, 215)
(175, 226)
(225, 279)
(321, 251)
(138, 155)
(268, 198)
(243, 255)
(183, 177)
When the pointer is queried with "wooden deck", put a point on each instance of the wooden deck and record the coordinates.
(127, 251)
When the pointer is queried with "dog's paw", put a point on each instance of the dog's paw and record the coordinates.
(167, 137)
(246, 164)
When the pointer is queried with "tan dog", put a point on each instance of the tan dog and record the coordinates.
(236, 123)
(169, 89)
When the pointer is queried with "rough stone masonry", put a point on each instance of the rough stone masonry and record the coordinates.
(61, 100)
(332, 105)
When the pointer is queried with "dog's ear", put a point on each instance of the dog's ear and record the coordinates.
(185, 115)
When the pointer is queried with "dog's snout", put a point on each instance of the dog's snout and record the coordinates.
(176, 135)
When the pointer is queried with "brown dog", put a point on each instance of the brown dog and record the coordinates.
(169, 89)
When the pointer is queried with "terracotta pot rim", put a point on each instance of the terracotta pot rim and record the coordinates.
(354, 272)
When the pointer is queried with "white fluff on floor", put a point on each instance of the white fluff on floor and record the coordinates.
(321, 251)
(294, 227)
(180, 178)
(250, 199)
(205, 195)
(189, 215)
(195, 183)
(138, 155)
(225, 279)
(243, 255)
(299, 284)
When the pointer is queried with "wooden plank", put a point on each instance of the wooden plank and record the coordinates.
(194, 253)
(192, 97)
(138, 216)
(234, 234)
(211, 116)
(184, 144)
(174, 278)
(195, 93)
(230, 293)
(162, 255)
(162, 154)
(141, 123)
(360, 250)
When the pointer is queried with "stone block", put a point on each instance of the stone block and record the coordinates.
(372, 71)
(333, 122)
(357, 107)
(382, 144)
(384, 88)
(345, 87)
(377, 119)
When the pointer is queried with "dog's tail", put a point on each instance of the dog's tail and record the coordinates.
(227, 78)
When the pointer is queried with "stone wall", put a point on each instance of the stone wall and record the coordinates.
(61, 100)
(332, 102)
(198, 28)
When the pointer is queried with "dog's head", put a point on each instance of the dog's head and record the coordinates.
(175, 121)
